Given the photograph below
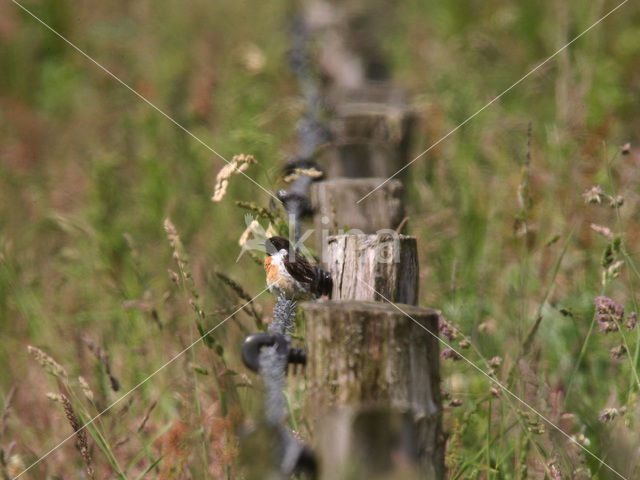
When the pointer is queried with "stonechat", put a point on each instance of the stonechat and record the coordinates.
(291, 273)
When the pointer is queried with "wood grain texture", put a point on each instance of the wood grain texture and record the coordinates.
(336, 207)
(369, 358)
(373, 267)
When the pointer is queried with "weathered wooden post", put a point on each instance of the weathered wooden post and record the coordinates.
(373, 384)
(374, 389)
(380, 267)
(373, 127)
(336, 205)
(373, 366)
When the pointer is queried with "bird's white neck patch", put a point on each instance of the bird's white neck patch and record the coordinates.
(281, 254)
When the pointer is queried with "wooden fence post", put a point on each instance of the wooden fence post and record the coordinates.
(373, 126)
(371, 368)
(382, 267)
(373, 384)
(336, 207)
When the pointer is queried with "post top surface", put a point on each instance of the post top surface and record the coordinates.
(368, 306)
(364, 181)
(369, 236)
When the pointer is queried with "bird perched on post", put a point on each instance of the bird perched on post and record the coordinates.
(290, 273)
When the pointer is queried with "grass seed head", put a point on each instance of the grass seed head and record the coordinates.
(309, 172)
(86, 389)
(54, 397)
(238, 164)
(48, 363)
(604, 231)
(81, 433)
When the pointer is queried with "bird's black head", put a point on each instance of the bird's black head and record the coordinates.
(275, 244)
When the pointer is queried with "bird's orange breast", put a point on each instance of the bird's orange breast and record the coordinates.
(272, 270)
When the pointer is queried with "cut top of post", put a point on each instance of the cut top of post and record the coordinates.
(381, 267)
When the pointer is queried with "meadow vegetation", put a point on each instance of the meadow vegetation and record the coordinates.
(113, 258)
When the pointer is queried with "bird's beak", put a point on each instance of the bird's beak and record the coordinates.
(262, 244)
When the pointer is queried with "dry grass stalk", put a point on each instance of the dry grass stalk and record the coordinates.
(5, 410)
(253, 228)
(298, 172)
(81, 434)
(54, 397)
(172, 233)
(259, 211)
(184, 277)
(179, 254)
(48, 363)
(176, 246)
(241, 292)
(604, 231)
(86, 389)
(103, 357)
(259, 233)
(145, 418)
(271, 231)
(238, 164)
(121, 442)
(175, 278)
(235, 286)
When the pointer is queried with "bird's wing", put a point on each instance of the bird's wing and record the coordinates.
(300, 269)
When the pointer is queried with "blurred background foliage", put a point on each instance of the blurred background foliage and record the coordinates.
(89, 172)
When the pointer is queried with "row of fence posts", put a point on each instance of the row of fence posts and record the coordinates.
(372, 397)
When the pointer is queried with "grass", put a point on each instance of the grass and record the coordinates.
(89, 173)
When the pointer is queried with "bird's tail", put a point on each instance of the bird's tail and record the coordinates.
(323, 284)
